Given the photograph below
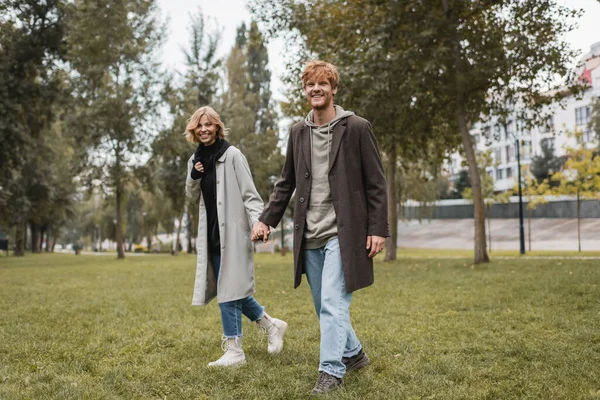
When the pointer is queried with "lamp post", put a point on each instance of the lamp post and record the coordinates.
(518, 150)
(115, 230)
(521, 229)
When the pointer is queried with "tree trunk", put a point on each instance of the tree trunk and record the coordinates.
(176, 244)
(489, 231)
(529, 227)
(44, 238)
(480, 248)
(35, 237)
(20, 239)
(189, 233)
(391, 243)
(479, 207)
(119, 200)
(578, 223)
(149, 241)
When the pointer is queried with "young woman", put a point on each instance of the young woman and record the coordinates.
(219, 180)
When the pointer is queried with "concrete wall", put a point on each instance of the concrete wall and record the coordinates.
(554, 209)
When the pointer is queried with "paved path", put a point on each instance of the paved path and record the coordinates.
(546, 234)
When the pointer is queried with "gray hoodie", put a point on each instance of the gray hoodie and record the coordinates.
(320, 216)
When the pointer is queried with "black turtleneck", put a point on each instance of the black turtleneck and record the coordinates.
(208, 156)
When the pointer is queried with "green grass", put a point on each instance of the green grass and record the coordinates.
(96, 328)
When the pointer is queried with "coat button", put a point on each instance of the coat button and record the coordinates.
(220, 203)
(218, 181)
(222, 223)
(301, 199)
(296, 227)
(306, 175)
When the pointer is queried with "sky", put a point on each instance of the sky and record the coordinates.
(229, 14)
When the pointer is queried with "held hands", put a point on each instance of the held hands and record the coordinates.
(375, 245)
(260, 231)
(199, 167)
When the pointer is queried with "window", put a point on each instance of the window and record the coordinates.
(510, 130)
(526, 149)
(548, 125)
(510, 153)
(582, 116)
(549, 143)
(498, 155)
(509, 173)
(588, 136)
(499, 174)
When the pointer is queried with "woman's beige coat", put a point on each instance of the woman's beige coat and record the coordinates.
(238, 208)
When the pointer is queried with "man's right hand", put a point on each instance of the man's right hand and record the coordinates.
(260, 231)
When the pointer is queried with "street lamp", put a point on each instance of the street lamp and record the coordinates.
(518, 149)
(521, 229)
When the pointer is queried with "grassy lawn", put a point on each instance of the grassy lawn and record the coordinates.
(85, 327)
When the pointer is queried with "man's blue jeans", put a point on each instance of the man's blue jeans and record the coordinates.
(231, 311)
(326, 279)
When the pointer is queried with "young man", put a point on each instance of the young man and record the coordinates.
(340, 215)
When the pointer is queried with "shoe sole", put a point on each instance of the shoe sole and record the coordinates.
(283, 328)
(238, 364)
(361, 364)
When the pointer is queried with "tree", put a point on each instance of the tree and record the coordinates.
(485, 163)
(166, 169)
(113, 49)
(386, 72)
(249, 112)
(580, 176)
(493, 55)
(545, 165)
(462, 182)
(31, 48)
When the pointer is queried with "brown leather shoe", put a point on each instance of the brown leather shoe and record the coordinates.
(326, 383)
(357, 362)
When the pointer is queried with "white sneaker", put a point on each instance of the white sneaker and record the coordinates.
(234, 355)
(274, 329)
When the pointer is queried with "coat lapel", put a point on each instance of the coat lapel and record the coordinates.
(338, 134)
(305, 146)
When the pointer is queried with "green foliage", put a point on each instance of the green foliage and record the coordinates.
(462, 182)
(248, 110)
(423, 71)
(581, 173)
(545, 165)
(113, 47)
(40, 155)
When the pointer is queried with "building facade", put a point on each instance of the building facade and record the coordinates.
(572, 115)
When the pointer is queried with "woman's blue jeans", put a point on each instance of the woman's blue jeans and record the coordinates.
(231, 311)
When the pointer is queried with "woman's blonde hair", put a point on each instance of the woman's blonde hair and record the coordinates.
(194, 121)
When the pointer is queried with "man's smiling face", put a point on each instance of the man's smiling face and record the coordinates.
(319, 93)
